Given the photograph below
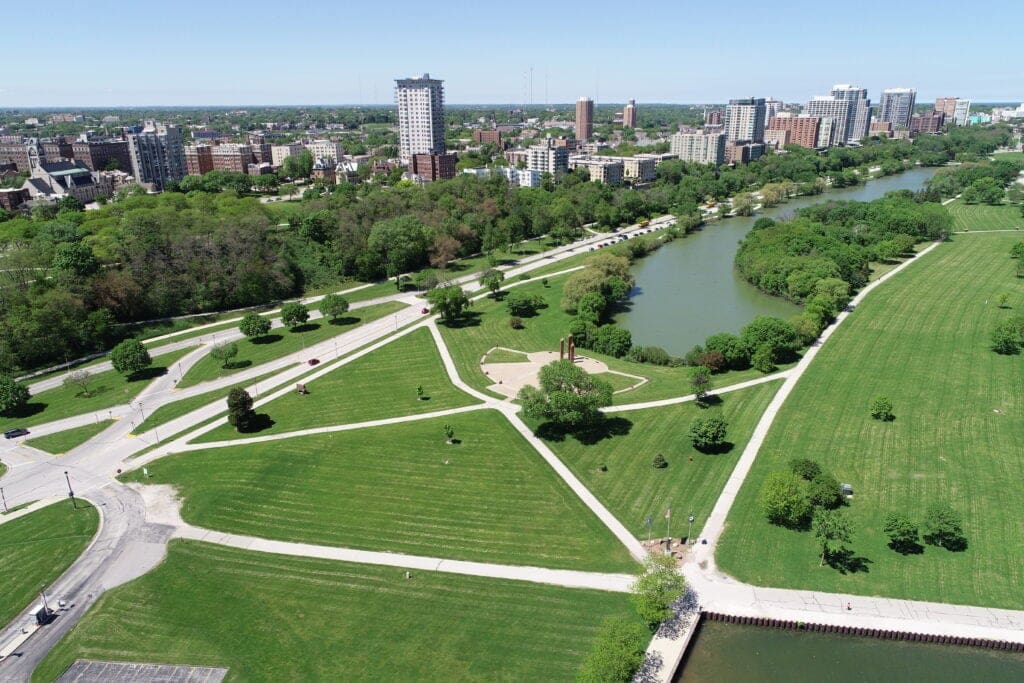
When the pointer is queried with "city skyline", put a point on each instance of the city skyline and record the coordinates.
(770, 57)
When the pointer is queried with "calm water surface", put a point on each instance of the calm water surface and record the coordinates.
(729, 653)
(689, 289)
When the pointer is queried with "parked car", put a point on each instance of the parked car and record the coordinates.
(424, 310)
(15, 433)
(313, 361)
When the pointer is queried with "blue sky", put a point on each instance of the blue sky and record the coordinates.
(106, 53)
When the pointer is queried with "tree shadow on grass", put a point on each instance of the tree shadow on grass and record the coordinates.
(588, 435)
(93, 392)
(709, 401)
(345, 320)
(236, 365)
(259, 422)
(147, 374)
(306, 327)
(28, 410)
(719, 449)
(468, 319)
(267, 339)
(845, 562)
(909, 548)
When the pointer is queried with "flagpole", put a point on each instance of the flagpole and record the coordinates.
(668, 526)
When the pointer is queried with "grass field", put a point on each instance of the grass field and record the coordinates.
(37, 548)
(487, 326)
(170, 411)
(62, 442)
(388, 488)
(3, 469)
(1009, 156)
(281, 342)
(379, 385)
(107, 389)
(632, 488)
(274, 618)
(983, 217)
(922, 340)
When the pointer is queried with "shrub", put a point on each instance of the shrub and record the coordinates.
(881, 409)
(618, 652)
(14, 396)
(522, 304)
(130, 357)
(763, 360)
(943, 527)
(515, 322)
(659, 462)
(612, 340)
(805, 468)
(731, 347)
(1005, 338)
(708, 433)
(902, 533)
(824, 491)
(657, 588)
(784, 500)
(655, 355)
(713, 361)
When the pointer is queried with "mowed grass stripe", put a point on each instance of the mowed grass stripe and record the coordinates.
(388, 488)
(107, 389)
(632, 488)
(922, 340)
(274, 618)
(379, 385)
(37, 548)
(985, 217)
(282, 341)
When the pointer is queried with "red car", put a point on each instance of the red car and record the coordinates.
(314, 361)
(425, 311)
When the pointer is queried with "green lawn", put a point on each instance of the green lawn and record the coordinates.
(1009, 156)
(62, 442)
(984, 217)
(506, 356)
(281, 342)
(632, 488)
(107, 389)
(388, 488)
(487, 326)
(171, 411)
(274, 618)
(379, 385)
(3, 469)
(921, 339)
(37, 548)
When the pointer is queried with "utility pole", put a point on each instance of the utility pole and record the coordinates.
(71, 493)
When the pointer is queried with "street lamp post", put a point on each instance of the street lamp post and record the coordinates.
(71, 493)
(689, 531)
(4, 499)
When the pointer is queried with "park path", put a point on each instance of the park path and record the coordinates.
(715, 524)
(718, 592)
(692, 397)
(163, 510)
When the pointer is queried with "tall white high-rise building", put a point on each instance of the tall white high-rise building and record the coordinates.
(745, 119)
(961, 111)
(772, 107)
(420, 103)
(897, 106)
(858, 119)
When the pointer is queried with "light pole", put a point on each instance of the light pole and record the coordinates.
(42, 594)
(689, 531)
(71, 493)
(4, 499)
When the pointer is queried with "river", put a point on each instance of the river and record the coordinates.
(689, 289)
(730, 653)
